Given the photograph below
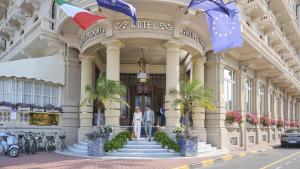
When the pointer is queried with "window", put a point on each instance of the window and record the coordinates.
(38, 94)
(7, 90)
(46, 95)
(19, 91)
(16, 90)
(54, 96)
(229, 88)
(27, 93)
(261, 93)
(248, 95)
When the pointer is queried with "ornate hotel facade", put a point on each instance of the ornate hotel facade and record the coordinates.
(46, 61)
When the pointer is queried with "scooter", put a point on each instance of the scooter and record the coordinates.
(9, 144)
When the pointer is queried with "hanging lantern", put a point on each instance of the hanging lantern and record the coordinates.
(143, 74)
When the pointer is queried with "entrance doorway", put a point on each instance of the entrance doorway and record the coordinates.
(139, 94)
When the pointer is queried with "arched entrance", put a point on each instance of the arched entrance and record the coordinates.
(140, 94)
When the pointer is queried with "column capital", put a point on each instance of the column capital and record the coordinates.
(173, 44)
(113, 43)
(199, 59)
(83, 57)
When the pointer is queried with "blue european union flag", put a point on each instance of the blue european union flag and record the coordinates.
(206, 5)
(119, 6)
(225, 31)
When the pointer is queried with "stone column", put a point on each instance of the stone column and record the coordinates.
(71, 95)
(86, 109)
(267, 109)
(172, 82)
(215, 120)
(241, 79)
(112, 112)
(275, 113)
(199, 112)
(257, 109)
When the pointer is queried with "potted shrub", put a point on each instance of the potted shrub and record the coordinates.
(233, 118)
(191, 93)
(265, 121)
(105, 92)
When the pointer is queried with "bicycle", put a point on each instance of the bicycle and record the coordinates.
(50, 143)
(61, 143)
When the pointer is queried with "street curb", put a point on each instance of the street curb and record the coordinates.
(228, 157)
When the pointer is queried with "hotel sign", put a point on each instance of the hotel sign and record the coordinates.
(149, 25)
(192, 35)
(98, 31)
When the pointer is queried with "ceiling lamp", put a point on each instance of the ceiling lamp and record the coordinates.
(143, 74)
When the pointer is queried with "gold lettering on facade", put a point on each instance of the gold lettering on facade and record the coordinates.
(93, 33)
(194, 36)
(144, 24)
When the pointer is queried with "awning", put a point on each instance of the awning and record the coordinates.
(50, 69)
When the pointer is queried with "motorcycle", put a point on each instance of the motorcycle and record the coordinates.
(9, 144)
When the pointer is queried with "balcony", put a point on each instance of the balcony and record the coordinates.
(267, 22)
(286, 16)
(28, 6)
(37, 41)
(255, 8)
(14, 16)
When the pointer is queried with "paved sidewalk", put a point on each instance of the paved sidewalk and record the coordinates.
(43, 160)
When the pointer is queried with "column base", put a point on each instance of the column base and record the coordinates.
(200, 133)
(217, 137)
(82, 131)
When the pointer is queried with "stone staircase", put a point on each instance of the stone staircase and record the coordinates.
(143, 148)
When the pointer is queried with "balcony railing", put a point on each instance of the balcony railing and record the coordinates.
(43, 24)
(255, 8)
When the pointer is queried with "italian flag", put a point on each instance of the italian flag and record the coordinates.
(82, 17)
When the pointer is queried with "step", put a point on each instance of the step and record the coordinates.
(76, 150)
(141, 146)
(142, 142)
(83, 143)
(123, 154)
(146, 151)
(79, 146)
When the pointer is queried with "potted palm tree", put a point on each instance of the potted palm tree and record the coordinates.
(104, 92)
(191, 93)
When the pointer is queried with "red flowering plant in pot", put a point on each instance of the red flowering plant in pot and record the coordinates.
(252, 118)
(233, 117)
(292, 124)
(286, 123)
(273, 122)
(265, 121)
(280, 123)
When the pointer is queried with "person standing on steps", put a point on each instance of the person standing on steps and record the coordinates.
(136, 122)
(148, 120)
